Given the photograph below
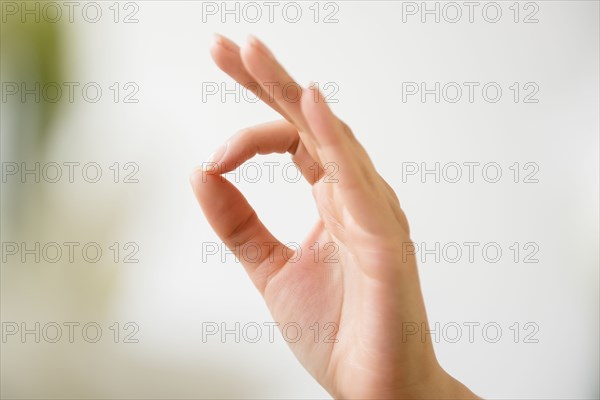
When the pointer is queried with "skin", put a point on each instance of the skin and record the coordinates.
(365, 296)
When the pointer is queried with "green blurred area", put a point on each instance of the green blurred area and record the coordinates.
(30, 57)
(31, 54)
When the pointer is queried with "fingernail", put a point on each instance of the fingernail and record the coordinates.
(217, 39)
(218, 154)
(212, 163)
(195, 172)
(253, 40)
(222, 41)
(209, 167)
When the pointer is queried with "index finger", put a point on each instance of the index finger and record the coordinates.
(226, 55)
(283, 89)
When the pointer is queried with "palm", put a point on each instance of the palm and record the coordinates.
(308, 295)
(328, 295)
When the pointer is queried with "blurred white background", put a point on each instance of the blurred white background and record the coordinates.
(375, 46)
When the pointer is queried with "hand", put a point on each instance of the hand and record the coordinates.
(368, 292)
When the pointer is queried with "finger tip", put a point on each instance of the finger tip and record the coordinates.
(250, 58)
(216, 44)
(216, 39)
(196, 175)
(201, 173)
(219, 40)
(255, 44)
(250, 38)
(223, 52)
(248, 47)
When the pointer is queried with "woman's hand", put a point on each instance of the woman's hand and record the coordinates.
(359, 303)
